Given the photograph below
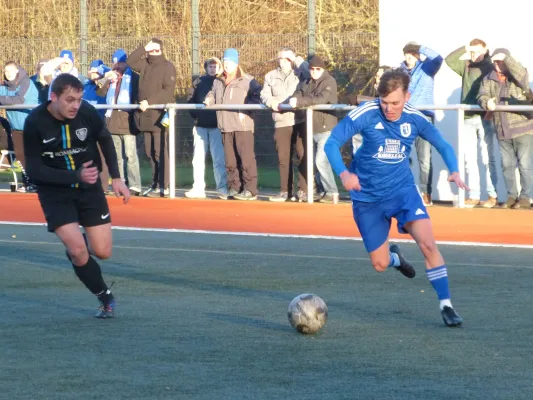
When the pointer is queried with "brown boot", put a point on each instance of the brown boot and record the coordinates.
(509, 203)
(523, 203)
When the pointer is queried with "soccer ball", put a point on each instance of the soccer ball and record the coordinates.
(307, 313)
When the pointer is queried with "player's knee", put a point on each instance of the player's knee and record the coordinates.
(428, 246)
(102, 250)
(380, 265)
(78, 253)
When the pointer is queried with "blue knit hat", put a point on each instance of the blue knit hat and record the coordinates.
(99, 67)
(119, 56)
(68, 55)
(231, 55)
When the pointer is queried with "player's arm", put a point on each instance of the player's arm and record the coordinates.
(342, 132)
(36, 169)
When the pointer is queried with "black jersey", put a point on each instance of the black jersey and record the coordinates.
(55, 150)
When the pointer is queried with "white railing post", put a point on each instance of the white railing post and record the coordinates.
(172, 151)
(309, 154)
(460, 154)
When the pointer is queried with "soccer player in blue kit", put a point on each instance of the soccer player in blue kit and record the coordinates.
(382, 186)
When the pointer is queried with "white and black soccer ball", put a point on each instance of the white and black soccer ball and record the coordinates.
(307, 313)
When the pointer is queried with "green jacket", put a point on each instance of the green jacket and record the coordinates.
(512, 91)
(472, 74)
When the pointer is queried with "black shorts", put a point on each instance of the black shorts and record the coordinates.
(61, 206)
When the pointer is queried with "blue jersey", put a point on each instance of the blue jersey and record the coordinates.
(382, 161)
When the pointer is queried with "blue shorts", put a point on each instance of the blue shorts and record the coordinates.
(374, 219)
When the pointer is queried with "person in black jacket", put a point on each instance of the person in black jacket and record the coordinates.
(157, 82)
(320, 88)
(207, 136)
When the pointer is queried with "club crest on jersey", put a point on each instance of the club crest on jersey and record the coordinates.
(391, 153)
(405, 129)
(81, 133)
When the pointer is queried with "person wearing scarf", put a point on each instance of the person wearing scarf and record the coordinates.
(118, 88)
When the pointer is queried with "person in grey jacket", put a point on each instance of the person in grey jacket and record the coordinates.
(508, 85)
(320, 88)
(280, 84)
(234, 86)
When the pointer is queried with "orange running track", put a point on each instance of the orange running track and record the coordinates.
(459, 225)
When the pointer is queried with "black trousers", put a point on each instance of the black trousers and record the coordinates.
(156, 148)
(288, 139)
(241, 166)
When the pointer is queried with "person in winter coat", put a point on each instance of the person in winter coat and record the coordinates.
(157, 82)
(508, 84)
(472, 62)
(280, 84)
(320, 88)
(97, 69)
(64, 64)
(40, 82)
(422, 73)
(207, 136)
(234, 86)
(18, 88)
(119, 87)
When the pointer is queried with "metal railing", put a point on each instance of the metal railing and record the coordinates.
(171, 108)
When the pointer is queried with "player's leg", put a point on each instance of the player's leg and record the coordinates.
(86, 268)
(94, 216)
(413, 219)
(374, 228)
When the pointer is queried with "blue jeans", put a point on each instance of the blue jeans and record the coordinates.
(126, 148)
(518, 152)
(327, 178)
(478, 129)
(208, 139)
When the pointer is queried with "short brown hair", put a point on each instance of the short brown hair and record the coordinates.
(476, 42)
(65, 81)
(392, 80)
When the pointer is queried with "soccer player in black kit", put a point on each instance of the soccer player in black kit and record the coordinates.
(60, 145)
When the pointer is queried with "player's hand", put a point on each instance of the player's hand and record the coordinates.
(293, 101)
(144, 105)
(350, 181)
(207, 102)
(458, 181)
(491, 104)
(120, 189)
(89, 173)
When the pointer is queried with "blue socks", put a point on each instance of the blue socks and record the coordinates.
(438, 277)
(394, 260)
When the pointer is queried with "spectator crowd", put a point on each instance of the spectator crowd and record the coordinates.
(146, 77)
